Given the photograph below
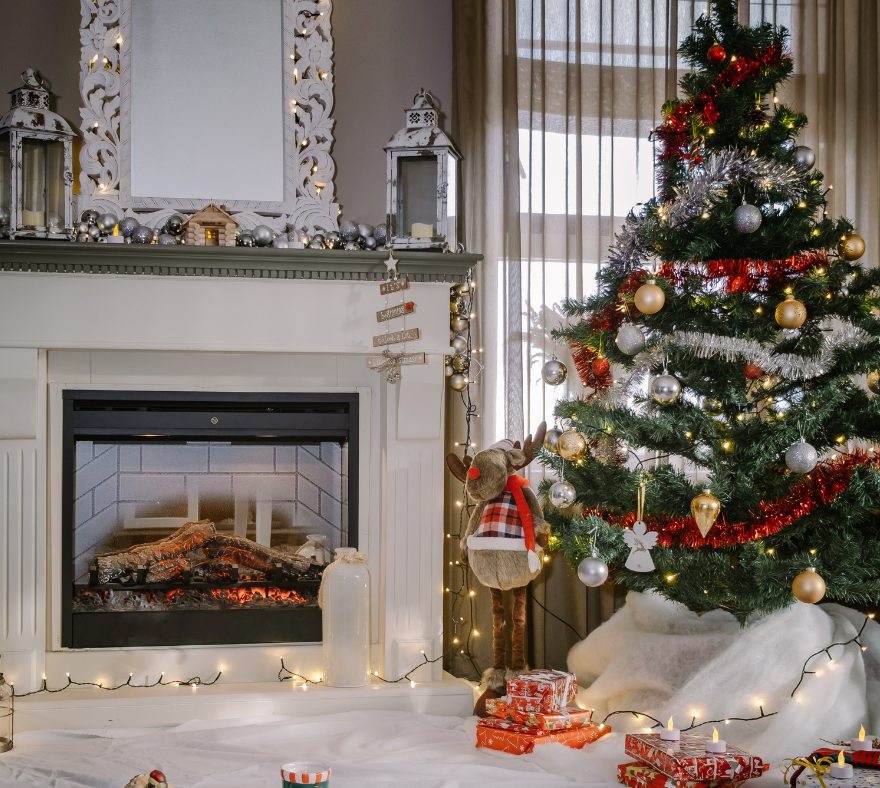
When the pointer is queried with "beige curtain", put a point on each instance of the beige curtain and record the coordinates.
(555, 100)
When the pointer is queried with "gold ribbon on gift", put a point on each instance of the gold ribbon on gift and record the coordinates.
(819, 767)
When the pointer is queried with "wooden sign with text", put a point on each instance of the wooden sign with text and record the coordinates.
(395, 311)
(404, 360)
(394, 285)
(396, 336)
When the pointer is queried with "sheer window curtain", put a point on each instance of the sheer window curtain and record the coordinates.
(555, 100)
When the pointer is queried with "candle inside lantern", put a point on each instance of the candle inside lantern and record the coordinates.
(716, 745)
(861, 743)
(669, 733)
(841, 770)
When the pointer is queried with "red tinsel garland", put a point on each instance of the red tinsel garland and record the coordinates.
(583, 358)
(818, 489)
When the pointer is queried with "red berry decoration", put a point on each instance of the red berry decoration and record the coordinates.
(753, 371)
(600, 365)
(716, 53)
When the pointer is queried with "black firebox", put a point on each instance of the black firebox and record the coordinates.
(193, 518)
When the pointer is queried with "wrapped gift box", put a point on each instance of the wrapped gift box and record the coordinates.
(637, 775)
(865, 758)
(687, 758)
(571, 717)
(541, 691)
(862, 778)
(512, 737)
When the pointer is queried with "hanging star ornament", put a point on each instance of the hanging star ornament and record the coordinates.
(392, 264)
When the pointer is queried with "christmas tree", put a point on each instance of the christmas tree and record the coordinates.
(722, 355)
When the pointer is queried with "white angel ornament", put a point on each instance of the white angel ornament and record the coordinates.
(640, 541)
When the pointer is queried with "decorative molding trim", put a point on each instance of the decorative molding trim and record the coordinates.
(105, 157)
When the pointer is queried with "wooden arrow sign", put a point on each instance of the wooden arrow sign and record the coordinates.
(396, 311)
(394, 285)
(396, 336)
(403, 360)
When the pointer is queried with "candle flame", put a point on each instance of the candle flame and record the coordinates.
(862, 733)
(669, 724)
(840, 758)
(116, 230)
(714, 735)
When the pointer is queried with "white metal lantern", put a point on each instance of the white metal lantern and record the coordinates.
(422, 193)
(7, 709)
(36, 174)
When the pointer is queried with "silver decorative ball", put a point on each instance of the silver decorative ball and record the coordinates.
(747, 218)
(263, 235)
(106, 222)
(592, 571)
(457, 381)
(127, 226)
(448, 371)
(554, 372)
(94, 232)
(370, 243)
(167, 239)
(665, 388)
(458, 323)
(459, 343)
(82, 238)
(246, 239)
(174, 223)
(366, 230)
(380, 233)
(90, 216)
(360, 241)
(142, 235)
(780, 406)
(316, 243)
(352, 246)
(630, 339)
(54, 221)
(804, 158)
(332, 240)
(561, 494)
(551, 439)
(348, 230)
(800, 457)
(83, 227)
(281, 243)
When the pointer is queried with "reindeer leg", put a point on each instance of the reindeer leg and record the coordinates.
(518, 658)
(495, 677)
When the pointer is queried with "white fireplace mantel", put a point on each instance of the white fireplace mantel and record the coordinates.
(219, 333)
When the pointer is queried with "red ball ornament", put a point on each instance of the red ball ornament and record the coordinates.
(716, 53)
(600, 366)
(157, 779)
(753, 371)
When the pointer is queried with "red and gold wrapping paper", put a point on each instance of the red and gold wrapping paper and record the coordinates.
(541, 691)
(869, 759)
(862, 778)
(518, 739)
(637, 775)
(571, 717)
(687, 758)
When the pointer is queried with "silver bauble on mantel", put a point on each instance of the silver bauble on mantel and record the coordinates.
(665, 388)
(348, 230)
(281, 243)
(592, 571)
(83, 227)
(166, 239)
(554, 372)
(800, 457)
(263, 235)
(459, 343)
(142, 235)
(333, 240)
(365, 230)
(458, 381)
(380, 233)
(94, 232)
(106, 222)
(804, 158)
(561, 494)
(551, 439)
(90, 216)
(127, 226)
(630, 339)
(747, 218)
(458, 323)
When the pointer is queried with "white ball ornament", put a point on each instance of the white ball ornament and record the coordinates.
(592, 571)
(800, 457)
(747, 218)
(630, 339)
(554, 372)
(561, 494)
(804, 158)
(665, 388)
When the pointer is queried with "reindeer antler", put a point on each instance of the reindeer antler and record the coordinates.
(529, 445)
(458, 466)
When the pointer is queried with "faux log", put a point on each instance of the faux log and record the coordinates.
(293, 564)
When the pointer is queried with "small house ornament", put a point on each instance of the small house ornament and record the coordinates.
(36, 173)
(422, 196)
(211, 226)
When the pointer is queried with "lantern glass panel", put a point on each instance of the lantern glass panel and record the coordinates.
(450, 190)
(416, 193)
(42, 183)
(5, 181)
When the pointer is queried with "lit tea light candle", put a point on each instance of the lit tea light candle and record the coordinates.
(669, 733)
(115, 238)
(841, 770)
(716, 745)
(861, 743)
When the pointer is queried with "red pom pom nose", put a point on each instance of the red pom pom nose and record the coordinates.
(473, 473)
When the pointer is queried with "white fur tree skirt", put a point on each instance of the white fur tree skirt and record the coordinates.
(657, 657)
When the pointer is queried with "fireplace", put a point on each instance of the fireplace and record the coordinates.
(201, 518)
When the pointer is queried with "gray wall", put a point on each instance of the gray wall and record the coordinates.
(384, 51)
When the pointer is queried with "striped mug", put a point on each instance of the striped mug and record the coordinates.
(305, 773)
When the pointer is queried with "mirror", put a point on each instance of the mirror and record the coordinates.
(193, 101)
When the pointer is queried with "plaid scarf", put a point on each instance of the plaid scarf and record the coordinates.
(508, 516)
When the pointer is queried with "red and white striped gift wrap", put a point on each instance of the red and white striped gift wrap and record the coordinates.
(305, 773)
(571, 717)
(541, 691)
(517, 739)
(687, 759)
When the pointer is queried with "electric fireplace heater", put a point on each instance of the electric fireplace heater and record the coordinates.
(202, 518)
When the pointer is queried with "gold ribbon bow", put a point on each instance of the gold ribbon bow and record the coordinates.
(819, 767)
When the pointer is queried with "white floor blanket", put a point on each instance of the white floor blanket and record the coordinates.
(659, 658)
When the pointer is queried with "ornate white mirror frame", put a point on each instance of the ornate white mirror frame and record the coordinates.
(307, 87)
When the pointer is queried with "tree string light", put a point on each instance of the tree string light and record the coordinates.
(826, 650)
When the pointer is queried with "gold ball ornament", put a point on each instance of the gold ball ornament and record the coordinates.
(851, 246)
(458, 382)
(650, 298)
(460, 363)
(705, 509)
(791, 313)
(808, 587)
(571, 445)
(874, 381)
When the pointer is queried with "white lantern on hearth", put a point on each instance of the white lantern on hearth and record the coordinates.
(36, 174)
(422, 196)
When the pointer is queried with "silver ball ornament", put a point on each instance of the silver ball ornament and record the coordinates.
(82, 238)
(630, 339)
(54, 221)
(380, 233)
(348, 230)
(780, 407)
(142, 235)
(366, 230)
(554, 372)
(457, 381)
(127, 226)
(94, 232)
(458, 323)
(459, 344)
(747, 218)
(167, 239)
(332, 240)
(448, 371)
(263, 235)
(370, 243)
(174, 223)
(245, 239)
(804, 158)
(665, 388)
(800, 457)
(106, 222)
(83, 227)
(352, 246)
(551, 439)
(592, 571)
(90, 216)
(281, 243)
(561, 494)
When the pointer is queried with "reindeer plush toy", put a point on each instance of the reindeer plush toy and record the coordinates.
(503, 544)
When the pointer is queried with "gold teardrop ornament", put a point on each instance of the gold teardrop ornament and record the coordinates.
(705, 509)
